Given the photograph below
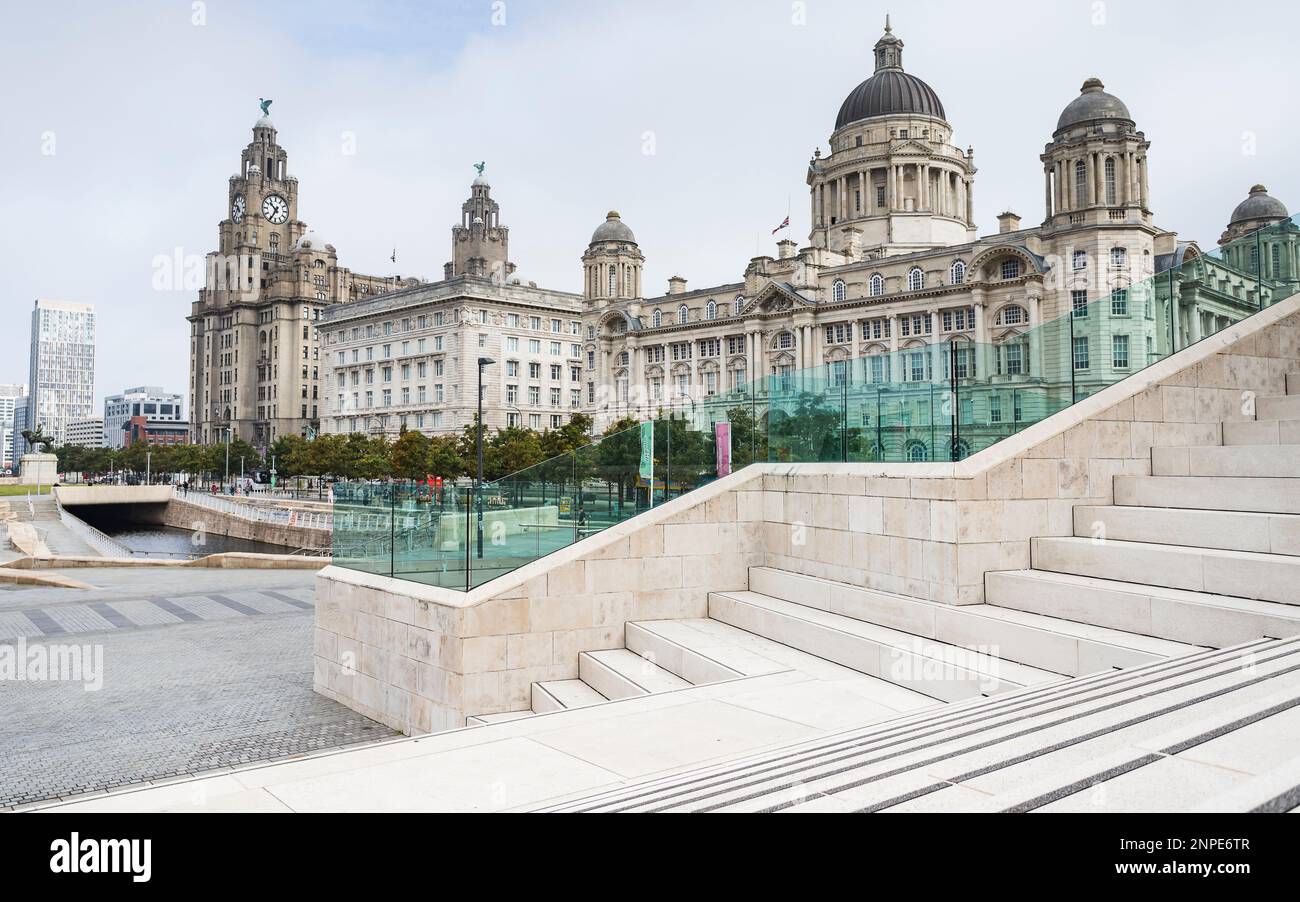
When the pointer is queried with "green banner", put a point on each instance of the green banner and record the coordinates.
(648, 451)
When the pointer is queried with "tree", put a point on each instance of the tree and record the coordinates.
(409, 456)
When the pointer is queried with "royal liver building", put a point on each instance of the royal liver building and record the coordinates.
(895, 286)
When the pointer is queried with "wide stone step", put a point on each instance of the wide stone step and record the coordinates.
(1217, 460)
(620, 673)
(1261, 432)
(961, 757)
(485, 720)
(1285, 407)
(1278, 495)
(937, 669)
(1229, 530)
(1195, 618)
(677, 656)
(1244, 574)
(1052, 644)
(559, 695)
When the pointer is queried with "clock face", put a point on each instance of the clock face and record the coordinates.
(276, 209)
(238, 208)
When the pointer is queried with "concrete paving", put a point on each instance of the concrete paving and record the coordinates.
(202, 671)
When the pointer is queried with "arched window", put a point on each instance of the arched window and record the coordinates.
(1012, 315)
(740, 304)
(658, 318)
(785, 341)
(1110, 181)
(958, 272)
(683, 313)
(877, 285)
(275, 243)
(711, 310)
(917, 451)
(1010, 269)
(613, 281)
(1080, 184)
(838, 290)
(1118, 258)
(915, 279)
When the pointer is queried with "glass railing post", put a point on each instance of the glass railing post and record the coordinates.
(1069, 358)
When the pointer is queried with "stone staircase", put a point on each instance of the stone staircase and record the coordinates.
(53, 537)
(1204, 551)
(1203, 554)
(1210, 731)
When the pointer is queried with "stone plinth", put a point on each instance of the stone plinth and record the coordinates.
(42, 469)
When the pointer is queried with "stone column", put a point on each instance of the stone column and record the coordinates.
(1047, 192)
(1142, 180)
(970, 202)
(983, 356)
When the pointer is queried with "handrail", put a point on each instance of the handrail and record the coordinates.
(103, 543)
(279, 517)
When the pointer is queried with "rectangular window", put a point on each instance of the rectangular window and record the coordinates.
(1119, 302)
(1079, 304)
(1081, 353)
(1119, 347)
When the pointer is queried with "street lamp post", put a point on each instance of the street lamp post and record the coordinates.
(478, 441)
(227, 480)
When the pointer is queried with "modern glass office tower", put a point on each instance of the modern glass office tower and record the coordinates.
(62, 369)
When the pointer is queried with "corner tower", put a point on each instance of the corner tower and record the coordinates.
(1095, 168)
(612, 263)
(893, 183)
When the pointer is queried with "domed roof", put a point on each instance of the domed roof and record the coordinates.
(612, 229)
(1093, 103)
(890, 90)
(310, 241)
(1258, 206)
(480, 182)
(264, 122)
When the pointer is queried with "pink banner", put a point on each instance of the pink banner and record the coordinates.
(722, 442)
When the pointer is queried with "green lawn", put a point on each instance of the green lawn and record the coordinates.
(9, 490)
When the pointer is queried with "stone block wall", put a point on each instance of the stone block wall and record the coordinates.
(422, 659)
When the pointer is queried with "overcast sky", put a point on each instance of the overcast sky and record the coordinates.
(694, 118)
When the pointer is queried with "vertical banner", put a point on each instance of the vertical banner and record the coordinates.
(722, 444)
(647, 469)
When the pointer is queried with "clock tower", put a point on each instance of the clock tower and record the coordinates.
(262, 209)
(255, 355)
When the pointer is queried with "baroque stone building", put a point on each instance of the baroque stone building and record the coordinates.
(895, 287)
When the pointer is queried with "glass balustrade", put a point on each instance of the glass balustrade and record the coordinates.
(931, 397)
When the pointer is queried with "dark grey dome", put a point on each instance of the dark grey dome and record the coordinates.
(1094, 103)
(1258, 206)
(886, 93)
(612, 229)
(889, 90)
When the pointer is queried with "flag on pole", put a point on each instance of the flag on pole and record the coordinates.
(647, 465)
(784, 225)
(722, 448)
(394, 258)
